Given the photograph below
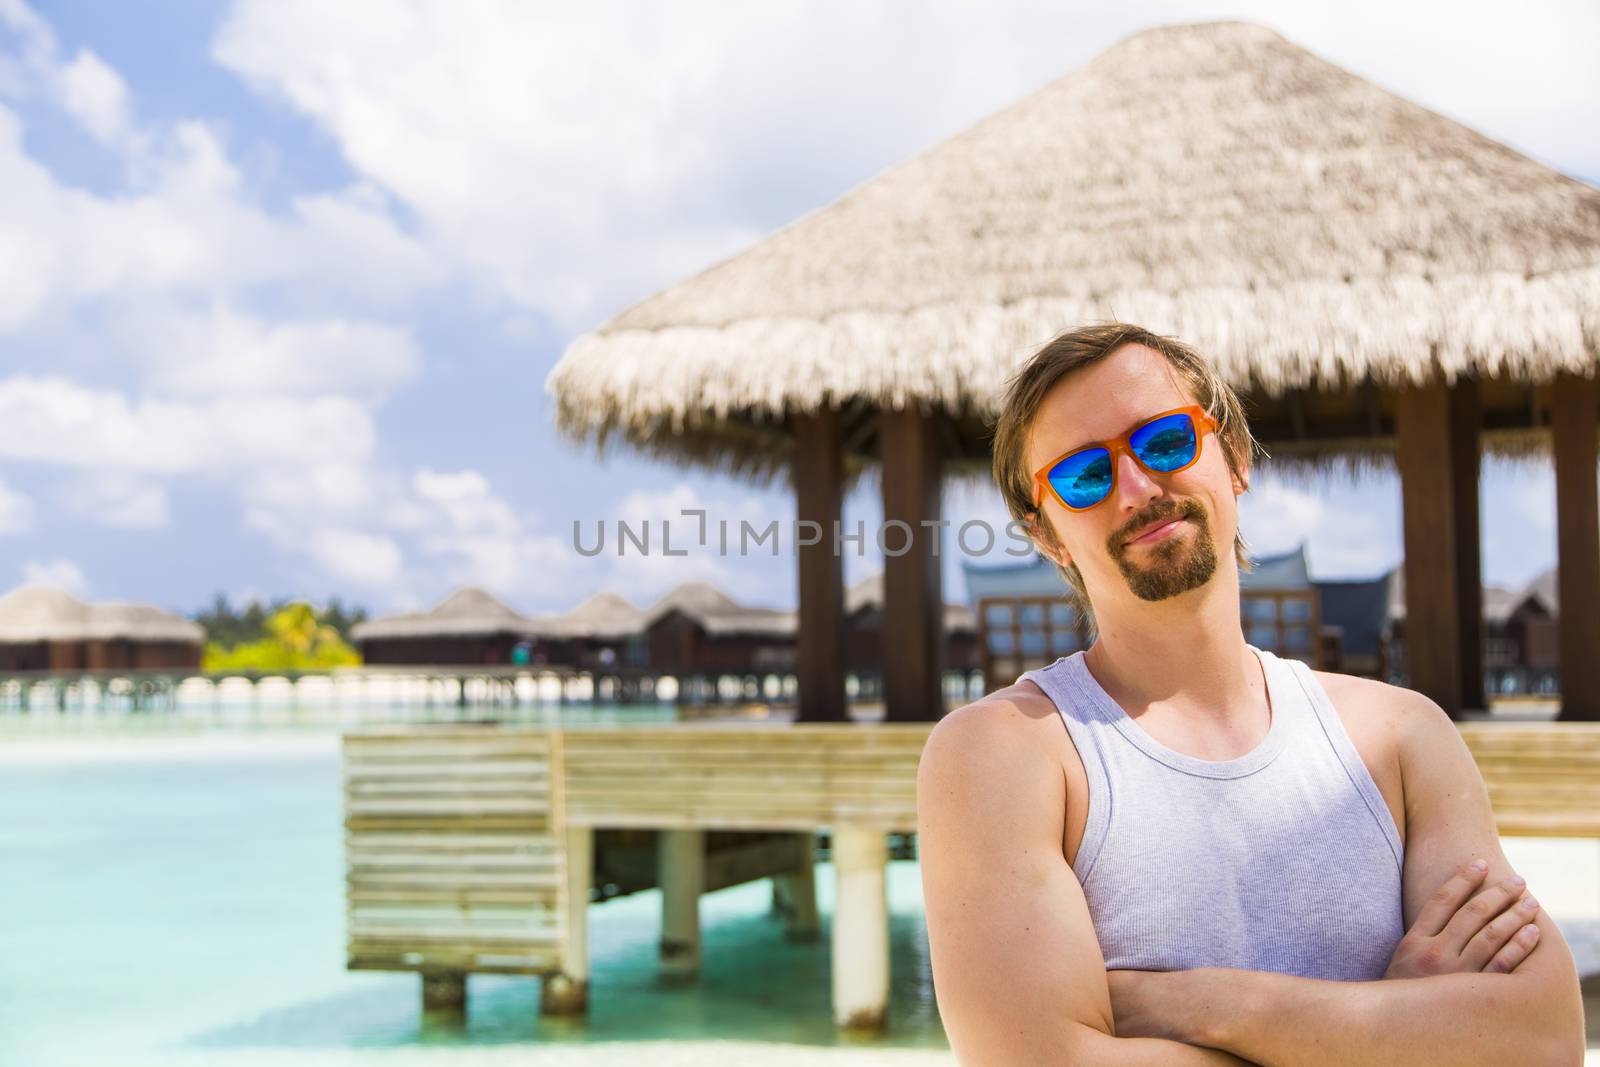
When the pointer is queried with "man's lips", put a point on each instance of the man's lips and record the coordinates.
(1155, 530)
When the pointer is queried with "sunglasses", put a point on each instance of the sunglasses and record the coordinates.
(1165, 444)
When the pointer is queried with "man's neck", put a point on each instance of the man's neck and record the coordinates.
(1187, 653)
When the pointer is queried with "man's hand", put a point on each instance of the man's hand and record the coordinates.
(1494, 931)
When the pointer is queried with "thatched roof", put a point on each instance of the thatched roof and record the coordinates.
(467, 612)
(40, 613)
(1217, 182)
(716, 613)
(604, 615)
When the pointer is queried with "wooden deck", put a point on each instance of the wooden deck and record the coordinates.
(470, 847)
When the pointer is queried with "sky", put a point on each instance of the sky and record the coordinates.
(281, 280)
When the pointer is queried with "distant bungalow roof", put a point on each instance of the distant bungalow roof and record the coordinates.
(40, 613)
(1284, 572)
(714, 612)
(473, 612)
(467, 612)
(1301, 225)
(1032, 577)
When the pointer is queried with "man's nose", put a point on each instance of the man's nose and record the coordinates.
(1136, 487)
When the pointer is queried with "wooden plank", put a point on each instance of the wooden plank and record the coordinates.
(540, 961)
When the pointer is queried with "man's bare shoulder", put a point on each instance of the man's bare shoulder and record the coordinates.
(1016, 716)
(1390, 721)
(1369, 700)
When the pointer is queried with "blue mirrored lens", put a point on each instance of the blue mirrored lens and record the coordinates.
(1164, 444)
(1082, 478)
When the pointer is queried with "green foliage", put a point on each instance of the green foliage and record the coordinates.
(229, 626)
(293, 638)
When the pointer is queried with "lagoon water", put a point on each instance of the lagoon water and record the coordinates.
(177, 898)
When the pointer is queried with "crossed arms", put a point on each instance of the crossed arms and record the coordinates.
(1020, 976)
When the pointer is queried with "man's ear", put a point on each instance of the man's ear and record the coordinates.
(1047, 546)
(1241, 480)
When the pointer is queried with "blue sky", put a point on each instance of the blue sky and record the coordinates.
(281, 281)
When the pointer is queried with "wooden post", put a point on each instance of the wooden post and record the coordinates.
(794, 895)
(860, 929)
(683, 879)
(819, 495)
(913, 605)
(1573, 404)
(567, 993)
(444, 991)
(1466, 472)
(1429, 459)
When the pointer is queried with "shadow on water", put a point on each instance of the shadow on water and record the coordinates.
(754, 985)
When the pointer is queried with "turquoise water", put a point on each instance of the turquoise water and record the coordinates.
(179, 899)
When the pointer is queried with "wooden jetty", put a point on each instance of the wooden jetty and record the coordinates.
(471, 849)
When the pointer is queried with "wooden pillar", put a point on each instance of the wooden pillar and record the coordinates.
(1466, 470)
(860, 929)
(683, 878)
(913, 604)
(795, 895)
(567, 993)
(1573, 404)
(819, 498)
(1436, 451)
(444, 991)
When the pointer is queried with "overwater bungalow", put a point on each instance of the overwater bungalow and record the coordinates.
(48, 629)
(470, 626)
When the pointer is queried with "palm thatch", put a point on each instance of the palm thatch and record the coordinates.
(716, 613)
(467, 612)
(604, 616)
(32, 613)
(1304, 227)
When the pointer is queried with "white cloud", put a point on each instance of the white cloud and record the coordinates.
(117, 498)
(1343, 538)
(224, 351)
(16, 510)
(354, 556)
(61, 573)
(58, 421)
(96, 95)
(575, 158)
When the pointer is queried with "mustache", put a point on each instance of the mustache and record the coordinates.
(1161, 511)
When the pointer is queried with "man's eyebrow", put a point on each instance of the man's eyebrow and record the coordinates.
(1100, 441)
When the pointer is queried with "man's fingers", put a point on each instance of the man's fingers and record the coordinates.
(1488, 942)
(1515, 951)
(1475, 914)
(1448, 898)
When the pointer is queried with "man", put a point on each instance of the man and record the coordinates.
(1224, 857)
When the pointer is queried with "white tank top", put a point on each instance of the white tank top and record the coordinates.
(1284, 859)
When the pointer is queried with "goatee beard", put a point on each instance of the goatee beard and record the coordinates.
(1176, 564)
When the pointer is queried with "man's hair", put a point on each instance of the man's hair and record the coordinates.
(1072, 351)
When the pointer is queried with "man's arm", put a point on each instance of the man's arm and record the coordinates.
(1018, 972)
(1533, 1015)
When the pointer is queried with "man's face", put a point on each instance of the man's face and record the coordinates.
(1106, 542)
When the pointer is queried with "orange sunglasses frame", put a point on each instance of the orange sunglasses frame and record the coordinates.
(1203, 422)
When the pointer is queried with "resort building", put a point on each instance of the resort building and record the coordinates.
(46, 629)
